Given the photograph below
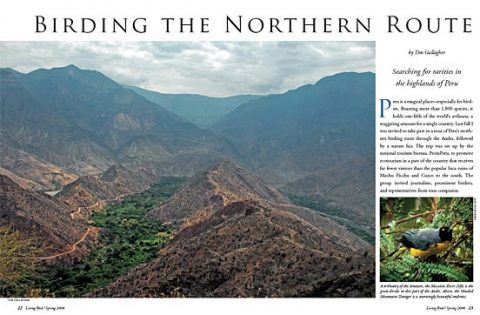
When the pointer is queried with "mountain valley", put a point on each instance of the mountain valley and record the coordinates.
(136, 193)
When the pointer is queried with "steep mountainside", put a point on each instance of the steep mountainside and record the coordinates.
(29, 123)
(27, 167)
(348, 187)
(198, 109)
(41, 217)
(240, 237)
(22, 182)
(308, 130)
(95, 191)
(211, 189)
(84, 122)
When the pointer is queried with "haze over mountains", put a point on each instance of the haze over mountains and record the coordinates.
(319, 137)
(288, 136)
(201, 110)
(96, 141)
(84, 122)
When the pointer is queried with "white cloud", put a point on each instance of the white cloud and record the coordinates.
(209, 68)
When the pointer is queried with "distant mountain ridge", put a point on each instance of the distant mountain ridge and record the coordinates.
(315, 141)
(201, 110)
(99, 123)
(84, 122)
(235, 234)
(288, 136)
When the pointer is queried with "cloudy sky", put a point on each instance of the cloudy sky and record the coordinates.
(208, 68)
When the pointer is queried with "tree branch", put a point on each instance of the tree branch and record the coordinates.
(411, 217)
(457, 243)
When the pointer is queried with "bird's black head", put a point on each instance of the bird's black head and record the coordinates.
(445, 234)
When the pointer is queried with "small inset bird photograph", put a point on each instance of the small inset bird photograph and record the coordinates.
(426, 239)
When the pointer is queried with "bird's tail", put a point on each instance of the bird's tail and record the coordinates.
(400, 249)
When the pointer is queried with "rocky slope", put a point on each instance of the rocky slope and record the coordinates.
(27, 167)
(207, 191)
(84, 122)
(41, 217)
(238, 237)
(94, 192)
(348, 187)
(22, 182)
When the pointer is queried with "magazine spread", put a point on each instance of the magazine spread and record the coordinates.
(200, 156)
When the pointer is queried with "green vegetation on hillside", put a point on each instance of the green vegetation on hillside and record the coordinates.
(127, 239)
(339, 215)
(17, 262)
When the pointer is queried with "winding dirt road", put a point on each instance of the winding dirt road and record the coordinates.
(80, 209)
(89, 230)
(73, 247)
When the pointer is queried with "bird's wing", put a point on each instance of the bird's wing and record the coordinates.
(420, 239)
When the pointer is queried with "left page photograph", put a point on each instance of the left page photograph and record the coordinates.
(187, 169)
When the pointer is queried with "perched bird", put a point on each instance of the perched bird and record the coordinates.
(427, 242)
